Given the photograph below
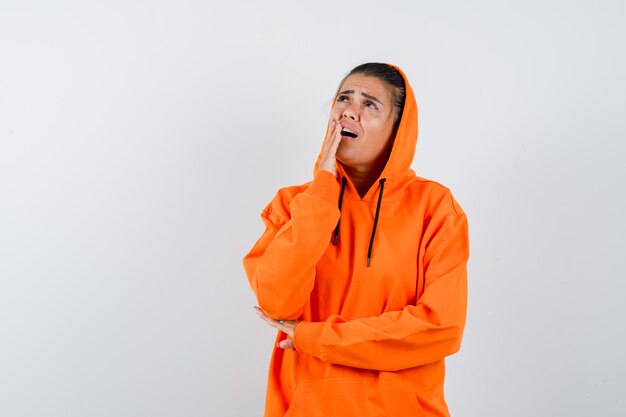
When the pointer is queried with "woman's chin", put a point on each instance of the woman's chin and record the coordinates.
(346, 156)
(343, 161)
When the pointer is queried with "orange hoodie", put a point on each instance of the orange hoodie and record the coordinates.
(372, 338)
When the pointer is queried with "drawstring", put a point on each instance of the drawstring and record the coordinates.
(343, 188)
(380, 198)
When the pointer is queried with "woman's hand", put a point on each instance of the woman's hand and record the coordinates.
(285, 326)
(329, 149)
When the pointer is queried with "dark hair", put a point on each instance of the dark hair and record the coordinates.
(388, 75)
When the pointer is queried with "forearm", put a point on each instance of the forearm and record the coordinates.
(281, 265)
(391, 341)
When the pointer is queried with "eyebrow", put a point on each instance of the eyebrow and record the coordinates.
(363, 94)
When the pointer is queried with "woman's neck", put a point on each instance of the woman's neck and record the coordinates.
(363, 178)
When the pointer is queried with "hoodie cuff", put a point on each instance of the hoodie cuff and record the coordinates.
(306, 337)
(325, 186)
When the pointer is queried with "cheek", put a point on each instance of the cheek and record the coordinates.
(374, 127)
(379, 134)
(382, 126)
(335, 112)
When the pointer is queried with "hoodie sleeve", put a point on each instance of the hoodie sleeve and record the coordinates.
(281, 264)
(416, 335)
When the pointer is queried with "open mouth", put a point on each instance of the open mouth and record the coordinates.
(347, 132)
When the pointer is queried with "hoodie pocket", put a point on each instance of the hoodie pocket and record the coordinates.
(387, 396)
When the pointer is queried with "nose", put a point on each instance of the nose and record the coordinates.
(350, 111)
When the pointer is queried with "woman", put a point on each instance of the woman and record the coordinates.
(363, 269)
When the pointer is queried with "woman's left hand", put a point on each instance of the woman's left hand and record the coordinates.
(286, 326)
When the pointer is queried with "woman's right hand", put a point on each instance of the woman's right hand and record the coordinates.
(329, 149)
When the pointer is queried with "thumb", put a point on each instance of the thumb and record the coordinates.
(285, 344)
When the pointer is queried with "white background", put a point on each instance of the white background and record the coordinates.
(139, 141)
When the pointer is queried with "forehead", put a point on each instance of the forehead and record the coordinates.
(367, 84)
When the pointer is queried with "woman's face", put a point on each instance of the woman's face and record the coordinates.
(364, 105)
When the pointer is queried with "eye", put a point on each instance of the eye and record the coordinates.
(342, 98)
(371, 104)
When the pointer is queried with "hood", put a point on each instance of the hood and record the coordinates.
(398, 165)
(397, 173)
